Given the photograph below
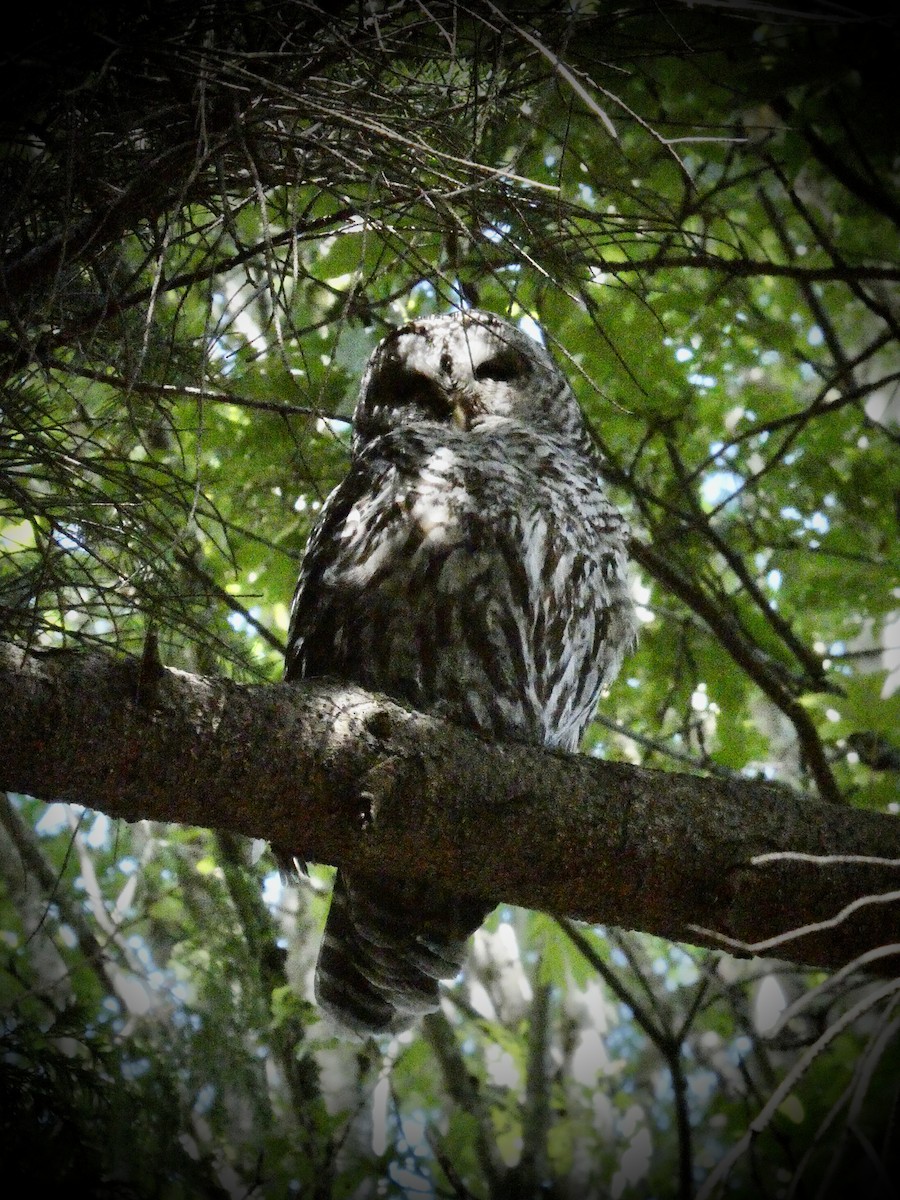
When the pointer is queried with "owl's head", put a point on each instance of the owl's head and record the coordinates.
(464, 371)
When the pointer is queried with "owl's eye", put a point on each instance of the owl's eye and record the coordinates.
(504, 367)
(411, 388)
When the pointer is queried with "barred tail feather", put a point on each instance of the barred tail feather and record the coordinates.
(387, 944)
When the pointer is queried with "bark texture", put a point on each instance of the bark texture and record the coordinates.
(355, 780)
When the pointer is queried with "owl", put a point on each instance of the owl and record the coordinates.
(469, 566)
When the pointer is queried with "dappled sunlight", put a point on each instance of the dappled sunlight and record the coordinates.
(208, 226)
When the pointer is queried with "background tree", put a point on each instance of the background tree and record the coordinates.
(209, 218)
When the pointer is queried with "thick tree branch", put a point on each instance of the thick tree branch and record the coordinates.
(350, 778)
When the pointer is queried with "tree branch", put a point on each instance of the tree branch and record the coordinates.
(763, 671)
(350, 778)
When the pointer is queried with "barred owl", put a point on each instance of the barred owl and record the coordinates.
(470, 566)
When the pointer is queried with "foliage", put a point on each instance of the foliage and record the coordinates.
(209, 220)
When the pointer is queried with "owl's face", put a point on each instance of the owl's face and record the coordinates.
(463, 371)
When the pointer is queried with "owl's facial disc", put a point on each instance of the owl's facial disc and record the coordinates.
(463, 371)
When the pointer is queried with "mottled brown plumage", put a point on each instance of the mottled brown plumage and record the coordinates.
(471, 566)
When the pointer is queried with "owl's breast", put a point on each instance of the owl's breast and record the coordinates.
(482, 579)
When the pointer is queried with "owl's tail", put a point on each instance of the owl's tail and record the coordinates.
(387, 943)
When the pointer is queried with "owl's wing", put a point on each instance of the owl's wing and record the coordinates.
(316, 621)
(392, 596)
(356, 580)
(414, 584)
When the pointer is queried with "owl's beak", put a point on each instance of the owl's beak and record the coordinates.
(460, 414)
